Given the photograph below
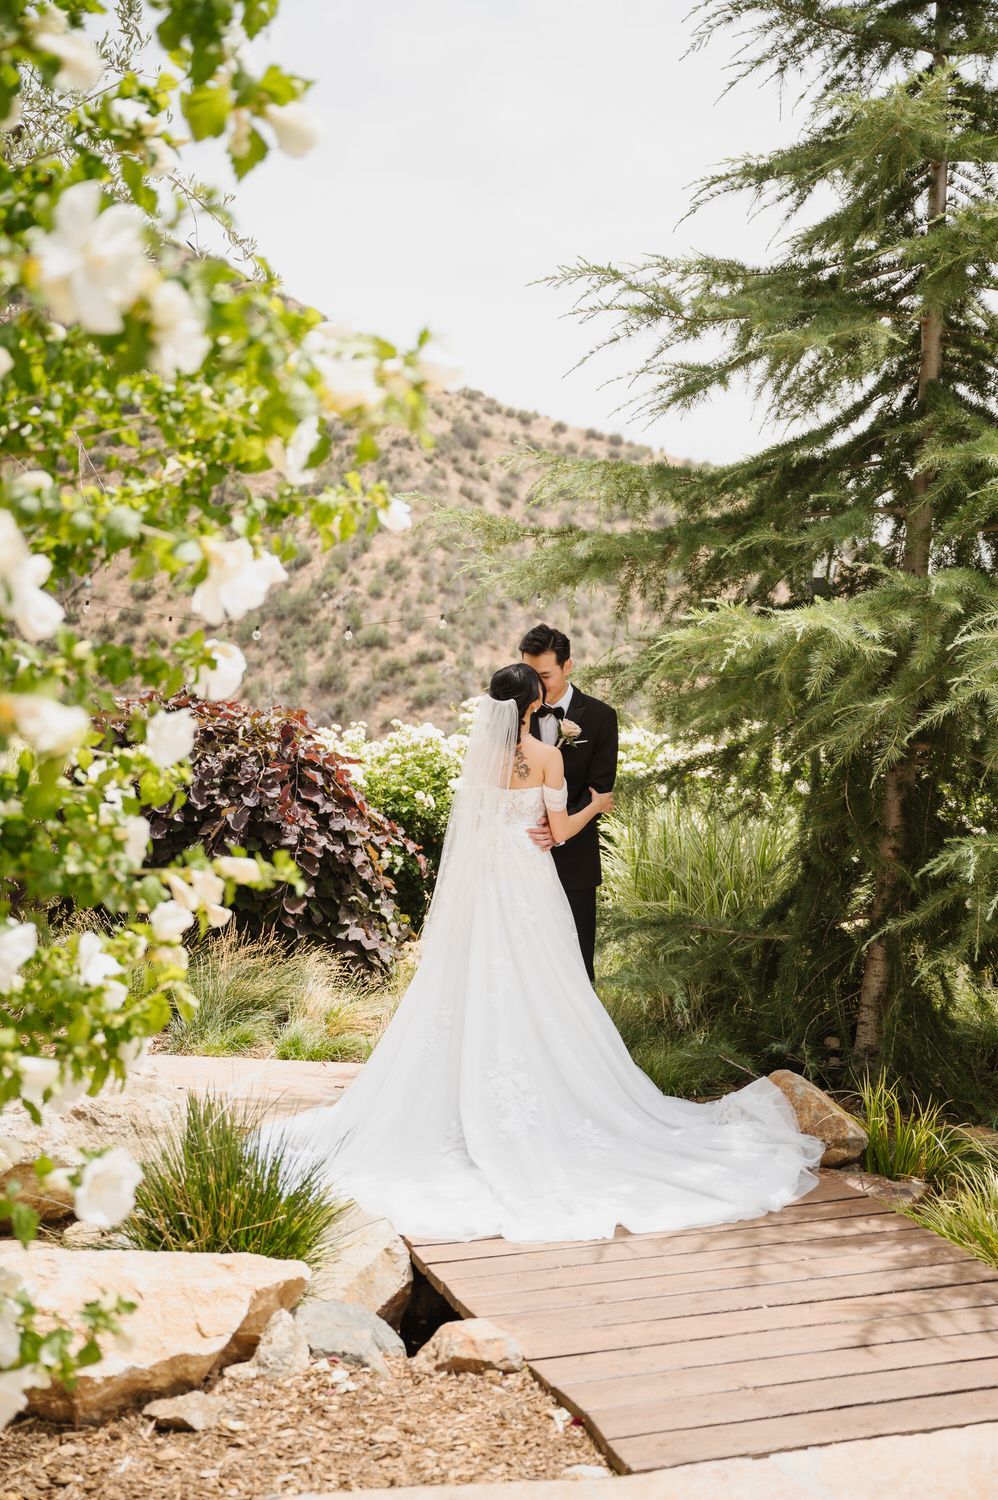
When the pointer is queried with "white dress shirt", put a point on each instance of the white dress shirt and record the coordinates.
(548, 722)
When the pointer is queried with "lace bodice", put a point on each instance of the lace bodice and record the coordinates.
(521, 807)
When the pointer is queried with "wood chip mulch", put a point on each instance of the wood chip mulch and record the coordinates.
(304, 1433)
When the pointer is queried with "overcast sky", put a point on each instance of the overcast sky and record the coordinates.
(472, 146)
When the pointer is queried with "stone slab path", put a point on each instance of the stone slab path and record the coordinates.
(287, 1086)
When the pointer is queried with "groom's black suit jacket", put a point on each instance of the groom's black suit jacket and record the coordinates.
(592, 761)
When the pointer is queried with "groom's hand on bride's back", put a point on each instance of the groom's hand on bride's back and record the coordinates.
(541, 835)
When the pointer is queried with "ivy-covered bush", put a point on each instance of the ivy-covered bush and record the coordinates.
(263, 781)
(409, 776)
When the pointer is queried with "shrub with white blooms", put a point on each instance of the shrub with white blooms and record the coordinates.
(142, 386)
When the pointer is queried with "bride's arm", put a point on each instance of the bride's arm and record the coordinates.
(565, 825)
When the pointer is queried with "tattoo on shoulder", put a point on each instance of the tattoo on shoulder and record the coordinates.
(520, 767)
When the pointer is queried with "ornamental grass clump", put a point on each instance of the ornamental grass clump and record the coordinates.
(213, 1188)
(916, 1141)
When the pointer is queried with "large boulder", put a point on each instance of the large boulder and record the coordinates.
(368, 1264)
(844, 1137)
(349, 1332)
(196, 1313)
(469, 1344)
(136, 1116)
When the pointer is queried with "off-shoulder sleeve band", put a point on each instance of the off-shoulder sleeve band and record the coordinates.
(556, 798)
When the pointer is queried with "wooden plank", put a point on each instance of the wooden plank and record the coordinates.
(748, 1439)
(629, 1301)
(639, 1247)
(665, 1412)
(886, 1247)
(562, 1338)
(710, 1357)
(803, 1210)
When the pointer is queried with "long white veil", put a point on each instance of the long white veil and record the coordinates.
(465, 858)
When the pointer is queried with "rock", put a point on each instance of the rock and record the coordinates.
(903, 1191)
(469, 1344)
(80, 1236)
(283, 1347)
(585, 1471)
(52, 1204)
(368, 1264)
(195, 1412)
(348, 1331)
(136, 1117)
(817, 1114)
(196, 1313)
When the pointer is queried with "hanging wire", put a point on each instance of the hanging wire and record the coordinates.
(348, 633)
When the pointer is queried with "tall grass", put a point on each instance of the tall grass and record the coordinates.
(915, 1139)
(966, 1213)
(212, 1188)
(686, 893)
(260, 996)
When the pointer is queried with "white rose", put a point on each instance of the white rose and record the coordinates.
(36, 614)
(10, 1333)
(6, 363)
(18, 941)
(182, 893)
(135, 832)
(82, 64)
(349, 384)
(49, 727)
(222, 680)
(297, 129)
(237, 868)
(208, 887)
(290, 458)
(106, 1193)
(237, 580)
(92, 963)
(217, 915)
(91, 266)
(114, 994)
(180, 343)
(131, 114)
(170, 736)
(169, 920)
(396, 515)
(14, 1385)
(132, 1051)
(436, 367)
(37, 1074)
(170, 954)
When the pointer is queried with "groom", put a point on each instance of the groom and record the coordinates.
(586, 731)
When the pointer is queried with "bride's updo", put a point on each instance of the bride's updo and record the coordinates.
(519, 682)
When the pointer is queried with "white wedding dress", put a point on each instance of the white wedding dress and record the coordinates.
(501, 1099)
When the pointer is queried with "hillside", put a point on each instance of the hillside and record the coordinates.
(392, 589)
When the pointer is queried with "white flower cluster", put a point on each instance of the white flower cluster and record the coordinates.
(91, 268)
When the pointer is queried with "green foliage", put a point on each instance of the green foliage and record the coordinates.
(914, 1139)
(407, 775)
(213, 1188)
(966, 1213)
(829, 602)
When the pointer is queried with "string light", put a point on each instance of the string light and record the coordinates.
(349, 633)
(442, 622)
(256, 634)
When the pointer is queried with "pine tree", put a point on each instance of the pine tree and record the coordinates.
(831, 601)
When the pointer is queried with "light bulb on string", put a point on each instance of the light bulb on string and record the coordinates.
(442, 622)
(348, 634)
(256, 634)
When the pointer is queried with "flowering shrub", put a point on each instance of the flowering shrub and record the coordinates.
(408, 776)
(265, 781)
(141, 386)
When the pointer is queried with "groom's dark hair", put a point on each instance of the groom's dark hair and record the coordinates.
(543, 638)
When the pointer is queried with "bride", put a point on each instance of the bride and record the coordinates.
(500, 1099)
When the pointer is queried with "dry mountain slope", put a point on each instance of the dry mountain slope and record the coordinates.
(391, 590)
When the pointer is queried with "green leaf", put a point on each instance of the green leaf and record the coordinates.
(206, 109)
(254, 153)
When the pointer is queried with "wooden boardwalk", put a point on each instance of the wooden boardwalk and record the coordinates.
(834, 1318)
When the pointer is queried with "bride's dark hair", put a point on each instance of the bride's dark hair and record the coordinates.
(519, 682)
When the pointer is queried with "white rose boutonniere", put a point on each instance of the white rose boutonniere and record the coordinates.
(568, 733)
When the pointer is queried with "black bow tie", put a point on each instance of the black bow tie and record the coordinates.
(547, 708)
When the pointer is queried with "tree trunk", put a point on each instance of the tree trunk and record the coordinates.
(892, 840)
